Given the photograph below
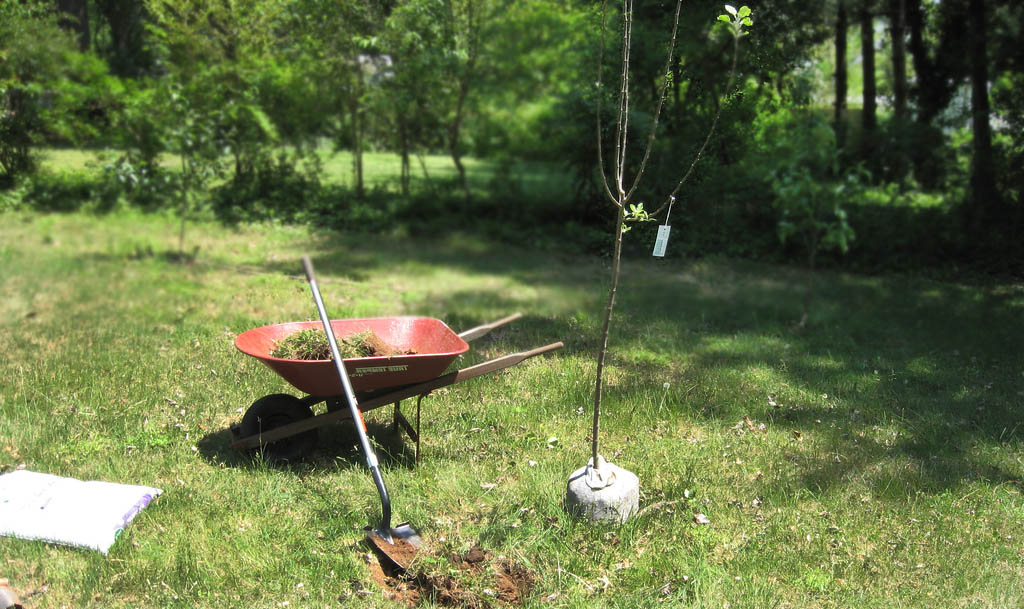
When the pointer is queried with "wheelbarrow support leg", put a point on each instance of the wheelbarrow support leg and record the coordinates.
(419, 400)
(397, 414)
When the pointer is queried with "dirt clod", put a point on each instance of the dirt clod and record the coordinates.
(475, 555)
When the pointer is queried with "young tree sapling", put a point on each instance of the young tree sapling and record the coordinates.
(620, 193)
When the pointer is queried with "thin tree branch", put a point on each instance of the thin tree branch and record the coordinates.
(622, 126)
(661, 102)
(600, 97)
(711, 131)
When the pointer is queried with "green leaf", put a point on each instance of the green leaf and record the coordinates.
(744, 12)
(730, 9)
(747, 22)
(724, 18)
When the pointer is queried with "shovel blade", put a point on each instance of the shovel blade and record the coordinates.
(396, 546)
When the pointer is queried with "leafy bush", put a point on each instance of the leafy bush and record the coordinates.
(274, 190)
(82, 105)
(138, 182)
(13, 197)
(20, 125)
(30, 56)
(67, 191)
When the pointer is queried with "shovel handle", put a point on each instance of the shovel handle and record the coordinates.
(350, 394)
(307, 265)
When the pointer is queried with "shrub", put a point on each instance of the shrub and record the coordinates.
(276, 189)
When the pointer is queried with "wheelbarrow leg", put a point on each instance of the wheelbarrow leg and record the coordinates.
(394, 418)
(418, 400)
(400, 422)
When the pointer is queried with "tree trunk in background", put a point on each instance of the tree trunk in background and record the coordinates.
(127, 53)
(926, 90)
(983, 191)
(899, 164)
(918, 50)
(403, 139)
(357, 145)
(897, 28)
(455, 130)
(842, 27)
(869, 114)
(76, 20)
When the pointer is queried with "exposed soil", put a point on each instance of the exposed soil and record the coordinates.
(378, 348)
(401, 552)
(475, 581)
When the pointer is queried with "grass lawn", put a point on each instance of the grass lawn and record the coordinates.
(381, 170)
(874, 459)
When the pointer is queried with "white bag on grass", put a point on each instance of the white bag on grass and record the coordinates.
(68, 511)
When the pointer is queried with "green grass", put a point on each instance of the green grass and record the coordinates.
(874, 459)
(381, 170)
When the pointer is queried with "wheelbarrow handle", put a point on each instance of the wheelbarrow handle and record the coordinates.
(503, 362)
(477, 332)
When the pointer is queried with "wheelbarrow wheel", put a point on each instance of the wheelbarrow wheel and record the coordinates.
(273, 411)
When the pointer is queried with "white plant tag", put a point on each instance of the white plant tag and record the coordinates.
(661, 243)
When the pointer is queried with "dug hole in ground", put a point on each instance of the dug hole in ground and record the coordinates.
(606, 493)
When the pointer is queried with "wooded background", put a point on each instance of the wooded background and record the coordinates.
(918, 102)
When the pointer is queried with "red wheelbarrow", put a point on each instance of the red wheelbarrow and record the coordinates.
(284, 427)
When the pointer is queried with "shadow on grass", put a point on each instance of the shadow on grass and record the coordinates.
(937, 365)
(337, 447)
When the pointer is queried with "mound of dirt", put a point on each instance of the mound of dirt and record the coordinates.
(376, 346)
(507, 581)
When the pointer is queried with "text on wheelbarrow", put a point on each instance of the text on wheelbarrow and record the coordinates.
(372, 369)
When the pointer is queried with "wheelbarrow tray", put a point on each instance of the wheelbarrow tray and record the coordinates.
(434, 344)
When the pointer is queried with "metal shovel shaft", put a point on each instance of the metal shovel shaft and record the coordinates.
(350, 395)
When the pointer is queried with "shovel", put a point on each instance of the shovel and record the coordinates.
(398, 544)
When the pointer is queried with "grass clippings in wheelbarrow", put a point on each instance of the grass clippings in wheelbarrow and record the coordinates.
(311, 344)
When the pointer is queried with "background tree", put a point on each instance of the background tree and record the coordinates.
(32, 58)
(841, 78)
(335, 34)
(869, 109)
(983, 191)
(897, 34)
(121, 36)
(466, 19)
(413, 35)
(75, 19)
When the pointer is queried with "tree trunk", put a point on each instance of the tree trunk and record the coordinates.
(76, 20)
(403, 138)
(465, 77)
(842, 27)
(357, 145)
(898, 29)
(125, 19)
(605, 331)
(869, 115)
(455, 128)
(983, 190)
(918, 49)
